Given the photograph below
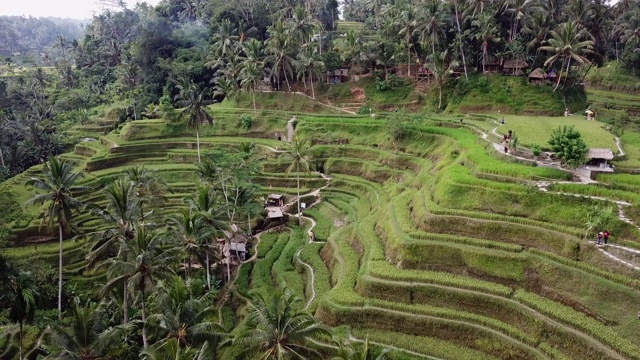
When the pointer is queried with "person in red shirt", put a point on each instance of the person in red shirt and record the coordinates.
(606, 237)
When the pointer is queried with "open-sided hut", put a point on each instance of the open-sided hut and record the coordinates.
(598, 161)
(514, 67)
(537, 76)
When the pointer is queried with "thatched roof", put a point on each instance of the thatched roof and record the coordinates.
(537, 74)
(514, 64)
(275, 196)
(597, 153)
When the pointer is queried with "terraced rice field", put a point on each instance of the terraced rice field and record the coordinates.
(432, 246)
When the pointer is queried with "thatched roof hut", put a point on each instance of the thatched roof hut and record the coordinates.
(514, 67)
(537, 76)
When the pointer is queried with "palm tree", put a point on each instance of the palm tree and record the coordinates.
(207, 205)
(308, 66)
(352, 350)
(171, 350)
(20, 294)
(130, 76)
(460, 16)
(279, 52)
(89, 337)
(438, 64)
(147, 185)
(190, 229)
(350, 48)
(407, 22)
(181, 317)
(566, 44)
(297, 155)
(58, 182)
(194, 101)
(487, 32)
(431, 23)
(225, 39)
(144, 260)
(275, 330)
(250, 76)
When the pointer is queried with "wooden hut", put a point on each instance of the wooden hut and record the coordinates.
(598, 161)
(537, 76)
(337, 76)
(514, 67)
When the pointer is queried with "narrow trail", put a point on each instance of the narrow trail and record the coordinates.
(315, 100)
(394, 348)
(619, 145)
(290, 129)
(311, 275)
(583, 179)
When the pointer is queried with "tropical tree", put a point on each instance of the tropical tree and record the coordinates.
(225, 39)
(206, 203)
(407, 23)
(459, 18)
(89, 336)
(191, 231)
(439, 65)
(171, 350)
(195, 103)
(148, 187)
(180, 316)
(20, 294)
(309, 66)
(274, 330)
(250, 77)
(567, 43)
(353, 350)
(279, 52)
(58, 183)
(486, 32)
(130, 77)
(431, 23)
(297, 155)
(144, 260)
(350, 48)
(568, 145)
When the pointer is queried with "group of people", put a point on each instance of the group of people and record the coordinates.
(506, 139)
(603, 235)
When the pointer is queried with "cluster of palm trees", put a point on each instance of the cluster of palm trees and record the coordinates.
(292, 51)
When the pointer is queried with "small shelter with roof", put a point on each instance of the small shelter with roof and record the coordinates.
(337, 76)
(234, 245)
(514, 67)
(274, 200)
(274, 205)
(537, 76)
(598, 161)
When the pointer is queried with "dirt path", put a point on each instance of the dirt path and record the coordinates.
(290, 129)
(312, 276)
(618, 144)
(394, 348)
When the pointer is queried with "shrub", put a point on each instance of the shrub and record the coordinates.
(536, 150)
(246, 121)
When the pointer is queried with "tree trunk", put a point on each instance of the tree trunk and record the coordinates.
(408, 59)
(464, 62)
(144, 318)
(135, 114)
(21, 332)
(299, 214)
(313, 92)
(566, 76)
(208, 272)
(228, 260)
(286, 78)
(198, 143)
(60, 272)
(439, 97)
(125, 302)
(1, 157)
(253, 95)
(484, 57)
(558, 82)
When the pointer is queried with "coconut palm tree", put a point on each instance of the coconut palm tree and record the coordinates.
(58, 183)
(250, 77)
(430, 24)
(309, 66)
(144, 260)
(568, 43)
(130, 76)
(148, 187)
(206, 203)
(407, 22)
(459, 18)
(89, 336)
(350, 48)
(182, 317)
(225, 39)
(190, 230)
(279, 52)
(195, 103)
(171, 350)
(275, 330)
(487, 31)
(297, 155)
(20, 294)
(352, 350)
(438, 63)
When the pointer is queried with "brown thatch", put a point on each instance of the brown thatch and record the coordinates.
(514, 64)
(538, 74)
(598, 153)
